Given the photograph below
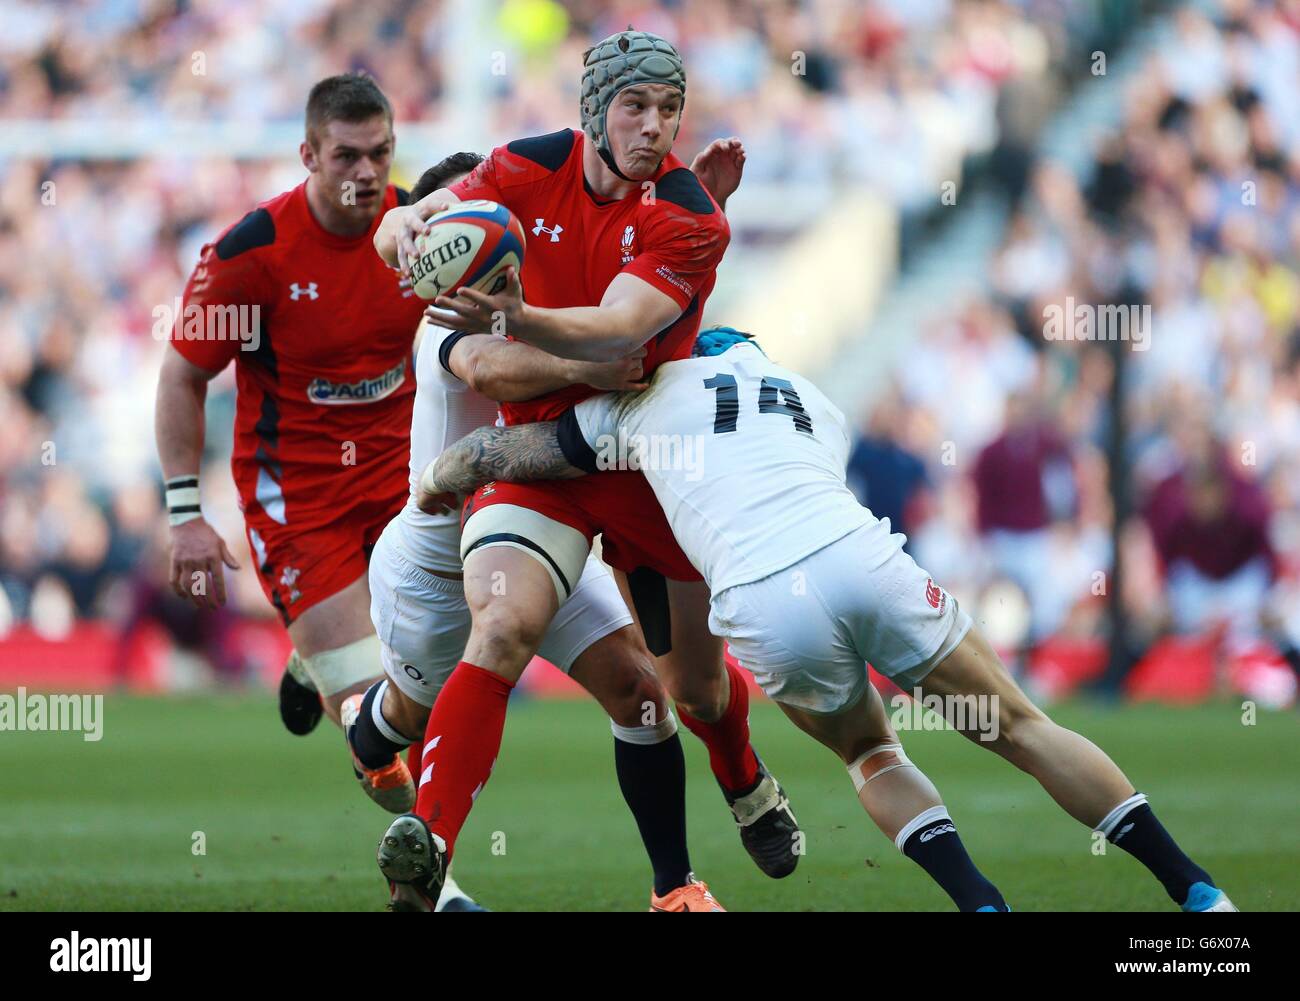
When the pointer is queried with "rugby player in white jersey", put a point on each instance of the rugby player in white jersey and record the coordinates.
(423, 622)
(806, 584)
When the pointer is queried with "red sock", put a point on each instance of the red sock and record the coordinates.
(413, 755)
(730, 756)
(460, 744)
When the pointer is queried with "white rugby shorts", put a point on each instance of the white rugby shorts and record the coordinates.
(807, 632)
(423, 622)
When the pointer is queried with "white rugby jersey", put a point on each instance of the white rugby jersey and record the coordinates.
(445, 411)
(745, 457)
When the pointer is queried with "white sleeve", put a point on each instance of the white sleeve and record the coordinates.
(598, 418)
(431, 362)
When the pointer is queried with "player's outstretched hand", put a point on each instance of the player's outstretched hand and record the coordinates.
(415, 222)
(413, 226)
(479, 313)
(719, 167)
(196, 548)
(623, 376)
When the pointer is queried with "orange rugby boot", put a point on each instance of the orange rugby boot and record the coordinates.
(694, 896)
(390, 786)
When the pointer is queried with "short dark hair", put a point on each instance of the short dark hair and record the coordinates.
(348, 97)
(440, 173)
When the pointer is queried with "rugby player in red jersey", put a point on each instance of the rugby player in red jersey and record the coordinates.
(423, 621)
(321, 336)
(624, 244)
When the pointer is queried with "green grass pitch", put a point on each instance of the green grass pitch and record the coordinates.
(111, 825)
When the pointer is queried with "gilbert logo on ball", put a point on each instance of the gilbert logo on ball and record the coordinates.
(470, 244)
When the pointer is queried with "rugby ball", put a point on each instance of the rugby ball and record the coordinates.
(470, 244)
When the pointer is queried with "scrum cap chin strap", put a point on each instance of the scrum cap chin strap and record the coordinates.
(624, 59)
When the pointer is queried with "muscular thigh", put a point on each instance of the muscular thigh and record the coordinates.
(335, 621)
(595, 610)
(974, 669)
(512, 600)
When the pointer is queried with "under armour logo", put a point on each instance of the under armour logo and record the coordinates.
(296, 291)
(540, 228)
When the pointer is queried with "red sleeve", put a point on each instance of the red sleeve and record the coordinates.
(681, 252)
(481, 182)
(203, 338)
(509, 173)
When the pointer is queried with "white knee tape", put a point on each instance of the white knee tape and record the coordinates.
(298, 670)
(334, 670)
(654, 733)
(863, 769)
(560, 549)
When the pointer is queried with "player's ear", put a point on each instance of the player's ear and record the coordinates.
(309, 157)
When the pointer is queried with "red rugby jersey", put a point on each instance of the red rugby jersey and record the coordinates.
(330, 379)
(577, 243)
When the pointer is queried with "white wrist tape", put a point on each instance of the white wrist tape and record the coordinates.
(183, 499)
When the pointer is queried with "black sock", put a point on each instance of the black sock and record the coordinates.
(653, 780)
(936, 847)
(1140, 834)
(373, 747)
(1291, 655)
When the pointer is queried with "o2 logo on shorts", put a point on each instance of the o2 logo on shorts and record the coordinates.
(935, 595)
(412, 673)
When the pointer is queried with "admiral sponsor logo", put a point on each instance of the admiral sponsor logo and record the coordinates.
(438, 255)
(194, 322)
(365, 391)
(672, 278)
(75, 954)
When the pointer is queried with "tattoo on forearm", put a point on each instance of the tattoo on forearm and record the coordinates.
(525, 452)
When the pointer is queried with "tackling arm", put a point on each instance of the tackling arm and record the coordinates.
(522, 452)
(512, 371)
(630, 313)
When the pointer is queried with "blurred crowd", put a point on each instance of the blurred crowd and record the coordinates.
(891, 93)
(990, 452)
(995, 449)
